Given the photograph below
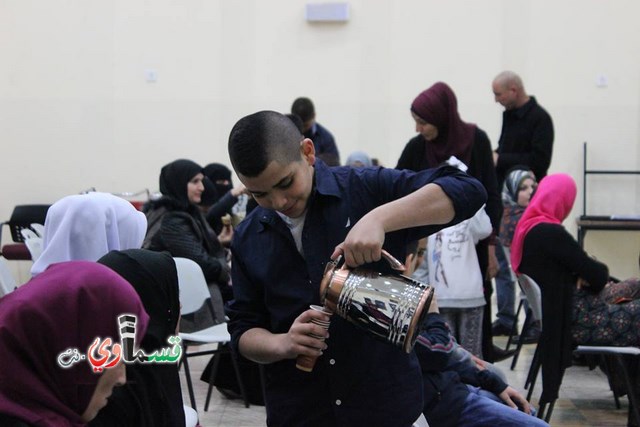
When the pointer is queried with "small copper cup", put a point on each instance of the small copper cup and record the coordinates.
(306, 363)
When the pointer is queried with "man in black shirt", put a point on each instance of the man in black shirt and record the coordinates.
(527, 129)
(526, 139)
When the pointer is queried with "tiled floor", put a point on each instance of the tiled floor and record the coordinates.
(585, 398)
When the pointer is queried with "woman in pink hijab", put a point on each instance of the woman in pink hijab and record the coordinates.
(579, 304)
(67, 306)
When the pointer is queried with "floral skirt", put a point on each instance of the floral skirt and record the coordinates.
(611, 317)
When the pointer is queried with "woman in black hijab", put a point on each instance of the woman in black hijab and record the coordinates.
(176, 225)
(221, 201)
(152, 395)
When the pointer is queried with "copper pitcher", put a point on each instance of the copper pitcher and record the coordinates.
(391, 307)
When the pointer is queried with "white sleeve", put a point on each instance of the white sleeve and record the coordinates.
(480, 226)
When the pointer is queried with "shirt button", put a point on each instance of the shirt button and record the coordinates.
(332, 362)
(338, 402)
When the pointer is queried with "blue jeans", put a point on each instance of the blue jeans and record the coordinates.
(480, 410)
(505, 289)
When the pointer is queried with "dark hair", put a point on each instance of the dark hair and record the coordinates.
(303, 107)
(296, 121)
(260, 138)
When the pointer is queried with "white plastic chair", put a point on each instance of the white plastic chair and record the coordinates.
(7, 282)
(190, 416)
(420, 422)
(194, 293)
(533, 296)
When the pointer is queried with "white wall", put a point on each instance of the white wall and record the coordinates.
(76, 111)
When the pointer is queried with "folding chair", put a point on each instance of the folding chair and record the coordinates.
(625, 357)
(628, 360)
(533, 296)
(22, 217)
(194, 293)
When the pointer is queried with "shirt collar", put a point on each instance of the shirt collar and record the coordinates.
(324, 184)
(522, 111)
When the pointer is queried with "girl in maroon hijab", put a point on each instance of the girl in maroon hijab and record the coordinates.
(442, 134)
(67, 306)
(579, 304)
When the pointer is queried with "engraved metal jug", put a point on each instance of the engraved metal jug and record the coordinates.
(391, 307)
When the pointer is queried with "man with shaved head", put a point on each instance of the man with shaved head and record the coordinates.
(527, 129)
(308, 214)
(526, 140)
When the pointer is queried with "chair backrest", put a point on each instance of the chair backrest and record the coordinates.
(7, 282)
(507, 254)
(534, 296)
(38, 228)
(194, 291)
(25, 215)
(33, 242)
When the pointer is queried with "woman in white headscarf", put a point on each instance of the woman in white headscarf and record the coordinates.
(88, 226)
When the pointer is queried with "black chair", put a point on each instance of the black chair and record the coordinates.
(624, 359)
(22, 217)
(627, 361)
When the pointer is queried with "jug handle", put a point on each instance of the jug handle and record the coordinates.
(393, 262)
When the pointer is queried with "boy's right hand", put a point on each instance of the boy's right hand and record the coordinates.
(363, 243)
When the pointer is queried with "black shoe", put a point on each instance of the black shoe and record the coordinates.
(501, 354)
(498, 329)
(532, 337)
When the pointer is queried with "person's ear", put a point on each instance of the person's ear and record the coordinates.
(308, 151)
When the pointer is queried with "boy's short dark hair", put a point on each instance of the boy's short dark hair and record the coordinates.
(296, 121)
(260, 138)
(303, 108)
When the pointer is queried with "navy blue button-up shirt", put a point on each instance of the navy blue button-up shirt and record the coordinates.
(358, 381)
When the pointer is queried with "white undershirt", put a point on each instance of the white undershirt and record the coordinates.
(295, 225)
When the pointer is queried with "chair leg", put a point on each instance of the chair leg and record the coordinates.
(240, 382)
(532, 375)
(549, 411)
(525, 328)
(541, 410)
(610, 372)
(187, 373)
(212, 378)
(514, 328)
(632, 390)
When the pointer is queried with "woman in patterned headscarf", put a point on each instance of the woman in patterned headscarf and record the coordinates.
(519, 185)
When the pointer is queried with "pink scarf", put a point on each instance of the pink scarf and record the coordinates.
(551, 203)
